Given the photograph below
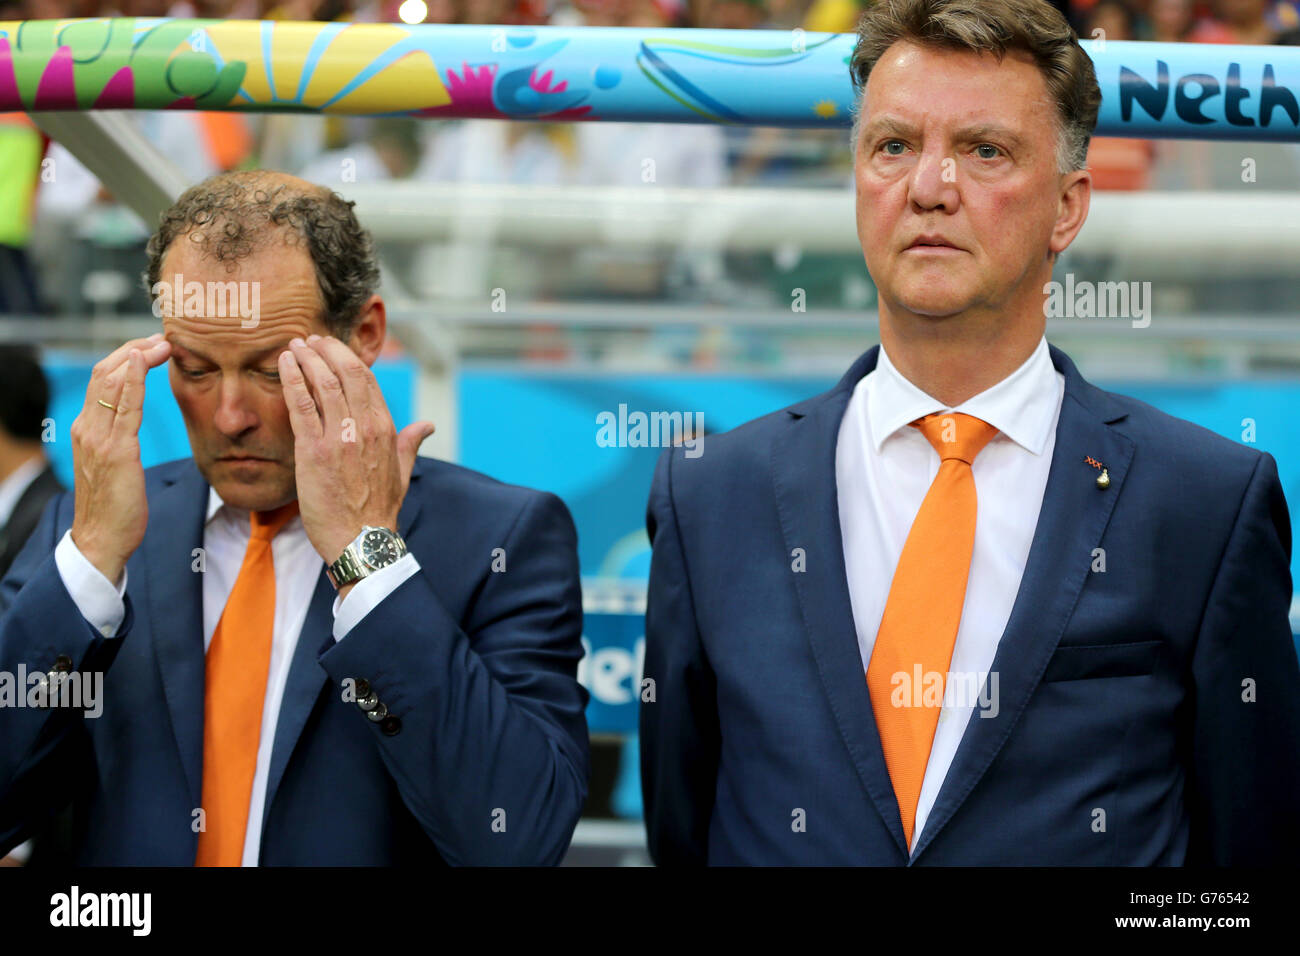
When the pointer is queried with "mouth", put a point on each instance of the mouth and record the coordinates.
(931, 244)
(241, 458)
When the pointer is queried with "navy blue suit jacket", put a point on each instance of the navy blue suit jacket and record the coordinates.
(478, 666)
(1123, 691)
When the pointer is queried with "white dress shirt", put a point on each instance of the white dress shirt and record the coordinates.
(883, 469)
(297, 569)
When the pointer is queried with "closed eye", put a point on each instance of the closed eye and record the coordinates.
(196, 373)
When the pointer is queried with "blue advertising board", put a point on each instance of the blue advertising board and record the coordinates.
(558, 446)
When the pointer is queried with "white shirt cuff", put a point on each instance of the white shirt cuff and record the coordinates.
(368, 592)
(22, 852)
(98, 599)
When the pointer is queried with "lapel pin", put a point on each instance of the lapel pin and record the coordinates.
(1103, 480)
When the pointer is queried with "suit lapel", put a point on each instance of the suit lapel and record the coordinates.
(1073, 515)
(43, 487)
(803, 469)
(303, 685)
(306, 677)
(174, 596)
(26, 513)
(175, 602)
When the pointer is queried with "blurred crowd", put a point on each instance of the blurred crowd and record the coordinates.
(59, 226)
(1193, 21)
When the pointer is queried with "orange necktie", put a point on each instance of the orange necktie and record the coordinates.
(919, 625)
(239, 658)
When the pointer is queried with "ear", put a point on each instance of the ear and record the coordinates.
(368, 337)
(1071, 209)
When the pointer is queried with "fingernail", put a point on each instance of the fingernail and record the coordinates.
(312, 338)
(296, 341)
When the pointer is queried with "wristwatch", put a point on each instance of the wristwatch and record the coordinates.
(371, 550)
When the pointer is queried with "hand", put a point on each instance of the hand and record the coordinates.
(110, 512)
(351, 464)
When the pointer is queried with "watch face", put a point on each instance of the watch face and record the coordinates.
(379, 549)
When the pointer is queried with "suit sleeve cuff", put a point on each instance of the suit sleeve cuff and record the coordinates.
(368, 592)
(98, 599)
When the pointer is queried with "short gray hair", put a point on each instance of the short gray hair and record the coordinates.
(991, 26)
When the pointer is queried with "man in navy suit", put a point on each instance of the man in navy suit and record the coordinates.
(1117, 682)
(304, 645)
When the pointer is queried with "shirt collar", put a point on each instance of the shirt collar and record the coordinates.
(215, 504)
(1021, 406)
(13, 487)
(237, 515)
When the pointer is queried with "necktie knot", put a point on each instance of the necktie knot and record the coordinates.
(955, 435)
(267, 524)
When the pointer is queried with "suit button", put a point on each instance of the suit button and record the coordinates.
(363, 688)
(391, 726)
(369, 703)
(62, 663)
(379, 713)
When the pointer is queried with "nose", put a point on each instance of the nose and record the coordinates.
(933, 183)
(234, 415)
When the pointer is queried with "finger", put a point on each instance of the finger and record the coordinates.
(153, 347)
(99, 417)
(409, 440)
(348, 368)
(326, 389)
(156, 354)
(304, 417)
(130, 401)
(106, 381)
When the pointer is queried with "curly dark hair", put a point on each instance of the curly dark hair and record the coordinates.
(233, 214)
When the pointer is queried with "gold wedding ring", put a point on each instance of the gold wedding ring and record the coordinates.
(105, 404)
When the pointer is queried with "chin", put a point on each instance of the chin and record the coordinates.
(254, 493)
(934, 303)
(932, 291)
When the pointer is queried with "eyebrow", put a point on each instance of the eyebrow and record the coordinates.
(254, 359)
(981, 131)
(988, 131)
(886, 124)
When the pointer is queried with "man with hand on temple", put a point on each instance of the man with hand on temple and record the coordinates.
(308, 655)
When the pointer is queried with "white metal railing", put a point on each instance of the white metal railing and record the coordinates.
(1152, 232)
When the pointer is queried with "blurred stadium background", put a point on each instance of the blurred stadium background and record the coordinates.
(535, 278)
